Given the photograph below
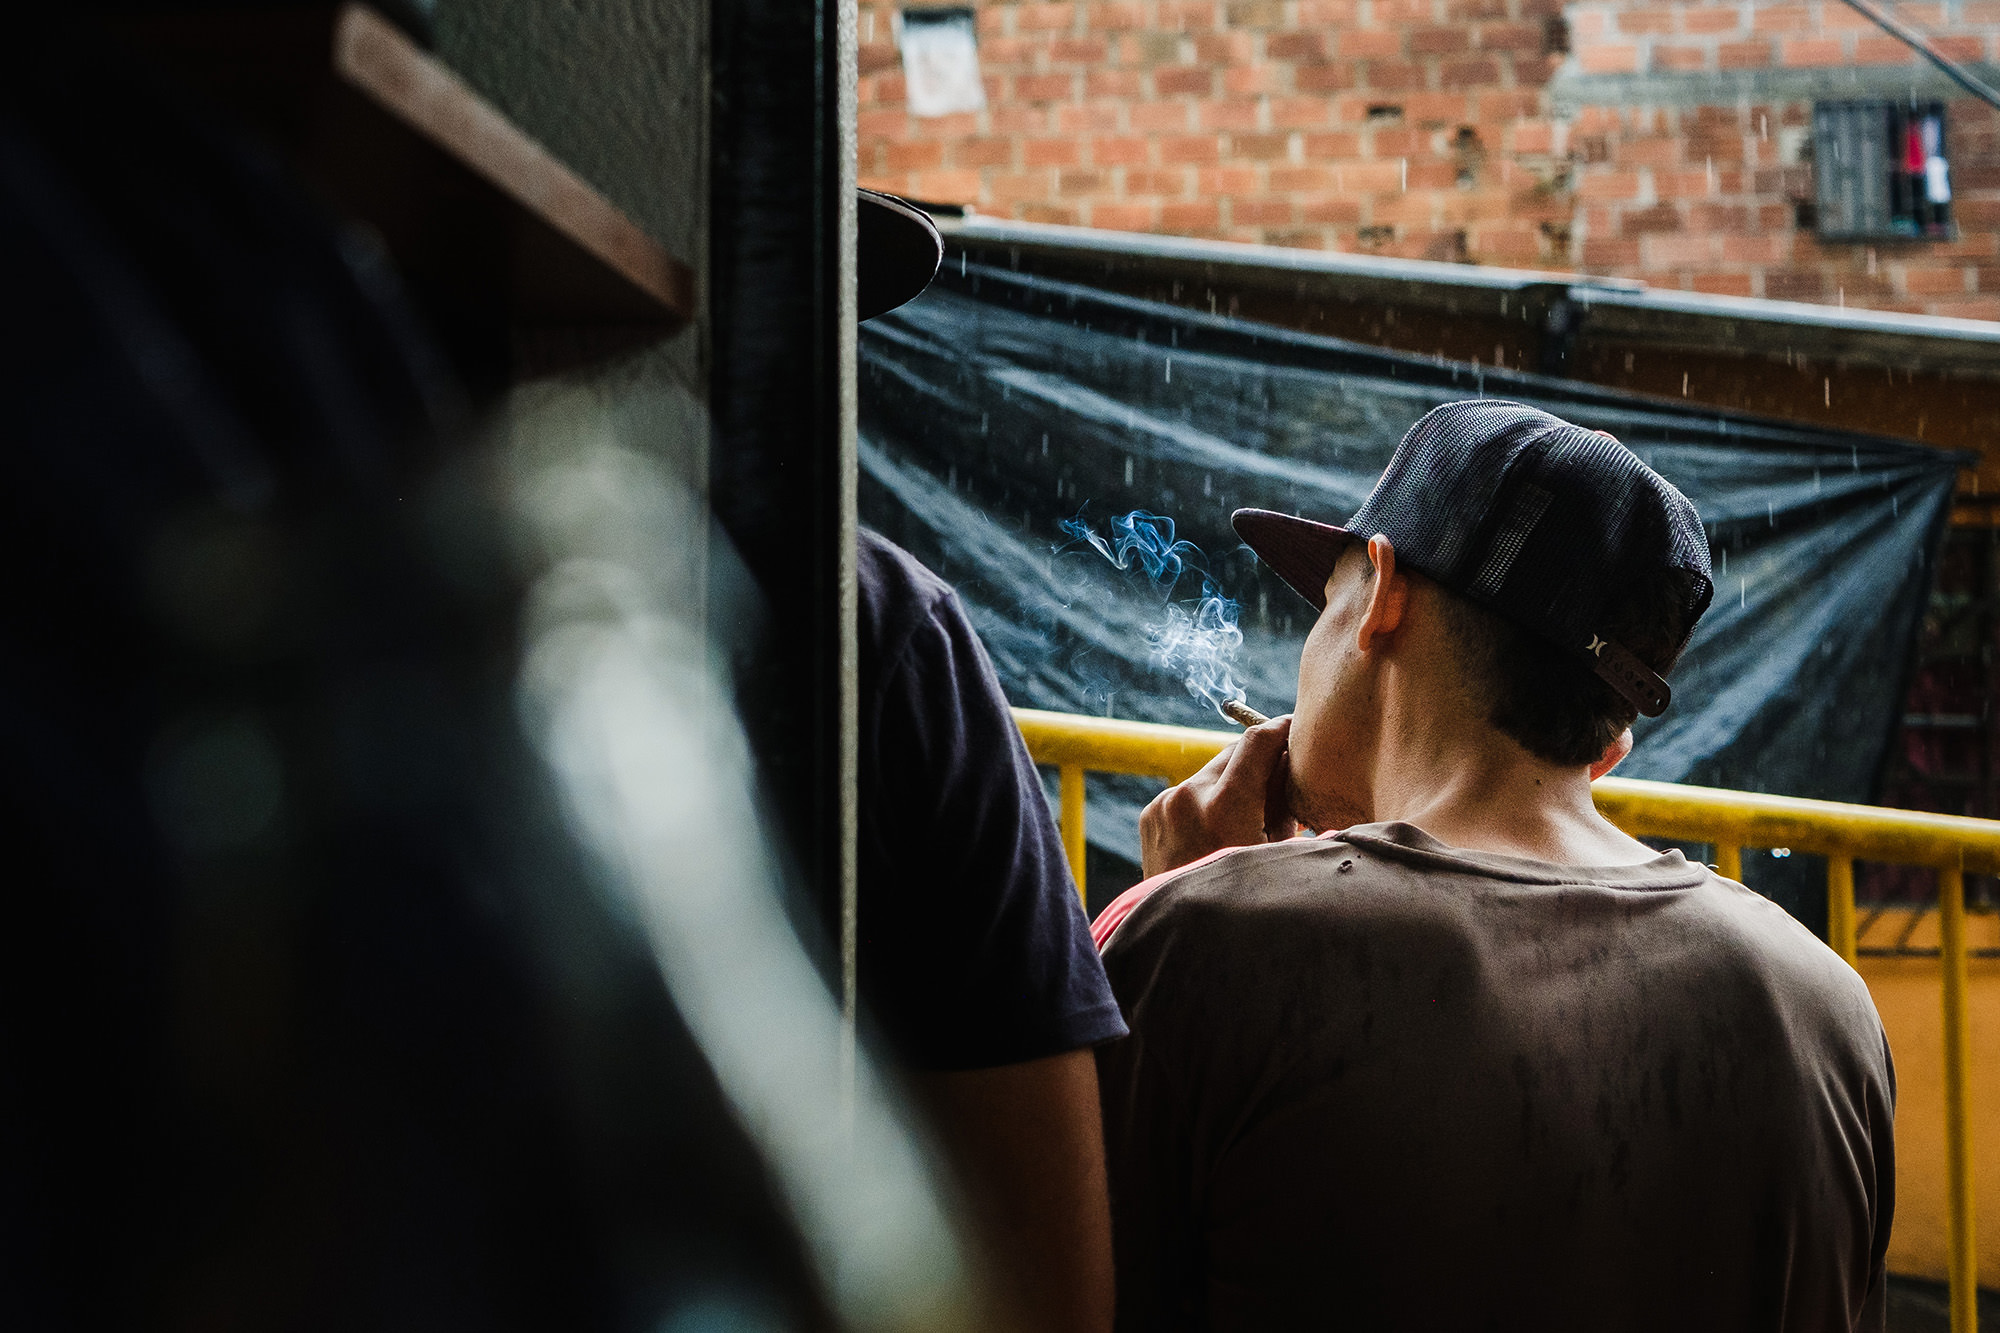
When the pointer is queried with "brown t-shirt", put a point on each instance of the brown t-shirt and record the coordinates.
(1376, 1082)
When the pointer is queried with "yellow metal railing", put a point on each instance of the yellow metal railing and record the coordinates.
(1728, 820)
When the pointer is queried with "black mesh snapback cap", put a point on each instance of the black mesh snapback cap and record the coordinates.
(1544, 523)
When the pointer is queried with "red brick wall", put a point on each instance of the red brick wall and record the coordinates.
(1247, 119)
(1706, 197)
(1425, 128)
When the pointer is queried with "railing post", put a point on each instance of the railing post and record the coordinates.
(1729, 861)
(1840, 931)
(1961, 1259)
(1071, 825)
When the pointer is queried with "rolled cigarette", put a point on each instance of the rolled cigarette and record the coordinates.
(1243, 714)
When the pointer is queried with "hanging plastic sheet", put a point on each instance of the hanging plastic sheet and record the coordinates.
(999, 405)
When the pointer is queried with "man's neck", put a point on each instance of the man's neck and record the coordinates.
(1469, 786)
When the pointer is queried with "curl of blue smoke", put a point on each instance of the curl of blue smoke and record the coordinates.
(1198, 638)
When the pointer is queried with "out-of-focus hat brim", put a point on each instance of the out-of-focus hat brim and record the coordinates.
(897, 252)
(1298, 550)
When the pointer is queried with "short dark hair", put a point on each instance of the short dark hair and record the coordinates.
(1549, 700)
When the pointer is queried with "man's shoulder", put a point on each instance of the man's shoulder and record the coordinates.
(1279, 887)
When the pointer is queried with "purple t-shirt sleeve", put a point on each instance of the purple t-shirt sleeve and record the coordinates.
(974, 950)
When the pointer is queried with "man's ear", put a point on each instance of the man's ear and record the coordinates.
(1388, 595)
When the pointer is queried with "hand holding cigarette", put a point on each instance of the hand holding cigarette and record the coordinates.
(1240, 798)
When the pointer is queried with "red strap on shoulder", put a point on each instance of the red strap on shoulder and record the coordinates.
(1121, 907)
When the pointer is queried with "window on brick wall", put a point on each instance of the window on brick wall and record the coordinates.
(1879, 170)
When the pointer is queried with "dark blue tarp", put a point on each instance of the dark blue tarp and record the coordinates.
(1000, 404)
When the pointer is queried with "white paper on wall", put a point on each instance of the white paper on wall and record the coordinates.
(941, 62)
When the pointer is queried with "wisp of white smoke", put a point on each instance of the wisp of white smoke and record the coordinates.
(1198, 638)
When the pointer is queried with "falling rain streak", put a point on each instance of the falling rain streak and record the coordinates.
(1197, 638)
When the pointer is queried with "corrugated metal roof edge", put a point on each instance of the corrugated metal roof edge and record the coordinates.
(1583, 288)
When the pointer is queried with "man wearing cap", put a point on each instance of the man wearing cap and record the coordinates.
(1471, 1057)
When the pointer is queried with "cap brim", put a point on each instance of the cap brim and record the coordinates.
(1298, 550)
(897, 252)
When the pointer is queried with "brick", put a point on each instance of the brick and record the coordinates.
(1753, 249)
(1873, 50)
(1195, 148)
(885, 184)
(1248, 80)
(1721, 284)
(994, 152)
(1438, 41)
(1014, 186)
(955, 126)
(1160, 115)
(1078, 51)
(1196, 80)
(1254, 13)
(1000, 53)
(1718, 219)
(1187, 15)
(1261, 212)
(1167, 181)
(1310, 47)
(1658, 218)
(946, 186)
(1298, 113)
(1327, 13)
(1018, 119)
(1468, 74)
(1680, 59)
(1743, 55)
(1062, 215)
(1120, 152)
(1328, 78)
(1326, 147)
(1228, 180)
(1835, 17)
(1782, 18)
(1051, 153)
(875, 56)
(1122, 217)
(1606, 252)
(1336, 211)
(1707, 20)
(1089, 118)
(915, 156)
(882, 125)
(1149, 48)
(1240, 114)
(1044, 18)
(1225, 48)
(994, 21)
(1301, 180)
(1044, 87)
(1398, 142)
(1369, 45)
(1509, 105)
(1462, 11)
(1677, 251)
(1394, 75)
(1812, 52)
(1610, 58)
(1531, 139)
(1298, 240)
(1934, 281)
(1609, 185)
(1648, 19)
(1260, 147)
(1510, 37)
(1115, 16)
(1205, 215)
(1435, 108)
(1072, 184)
(1794, 285)
(1369, 177)
(1986, 308)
